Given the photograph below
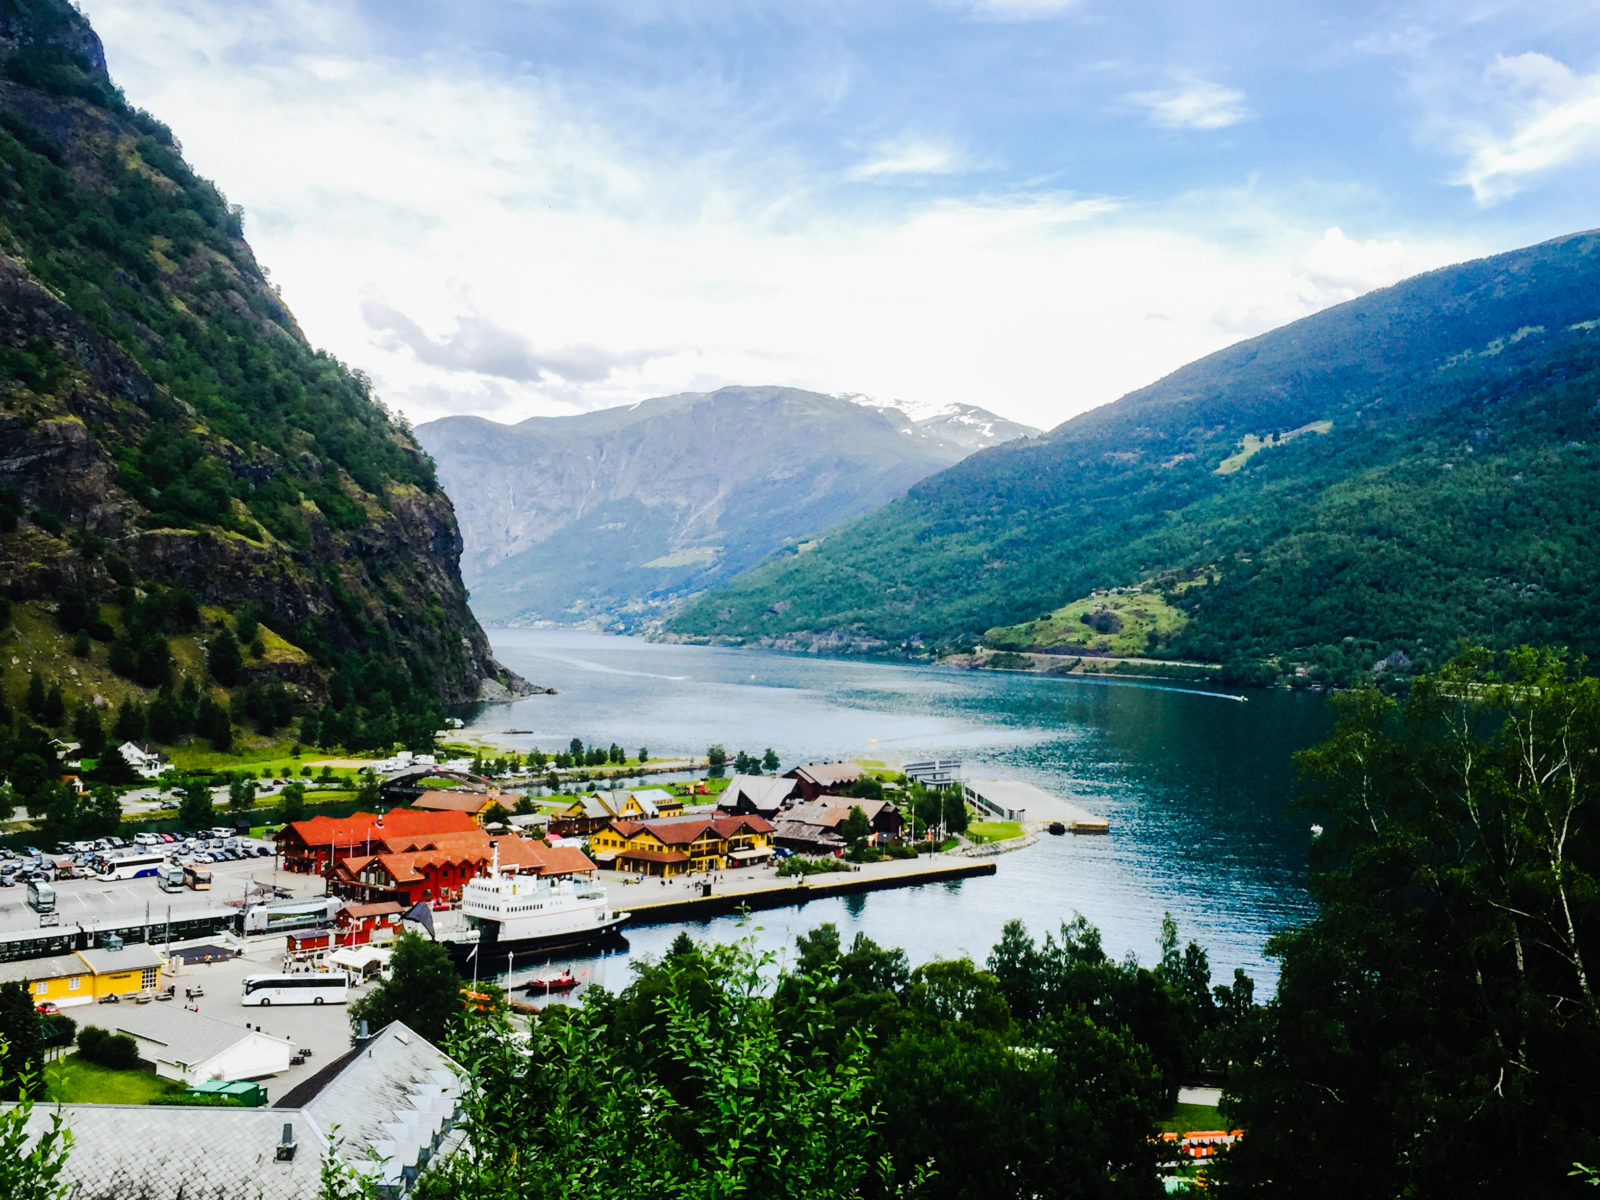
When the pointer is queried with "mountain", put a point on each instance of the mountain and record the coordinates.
(1371, 483)
(617, 515)
(178, 467)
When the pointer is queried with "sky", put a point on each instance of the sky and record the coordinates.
(514, 208)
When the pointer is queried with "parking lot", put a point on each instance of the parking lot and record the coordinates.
(81, 901)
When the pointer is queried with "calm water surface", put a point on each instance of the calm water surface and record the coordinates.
(1195, 785)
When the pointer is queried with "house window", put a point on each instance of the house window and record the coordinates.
(74, 983)
(148, 977)
(40, 988)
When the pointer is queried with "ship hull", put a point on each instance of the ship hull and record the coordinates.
(493, 950)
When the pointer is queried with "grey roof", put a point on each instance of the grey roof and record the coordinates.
(129, 958)
(828, 774)
(28, 970)
(397, 1095)
(122, 1152)
(766, 793)
(186, 1037)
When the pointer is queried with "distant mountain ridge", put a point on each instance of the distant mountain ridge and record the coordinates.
(616, 515)
(1368, 484)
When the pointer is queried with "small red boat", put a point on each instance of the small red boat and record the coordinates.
(563, 982)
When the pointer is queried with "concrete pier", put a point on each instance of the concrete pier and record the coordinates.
(761, 888)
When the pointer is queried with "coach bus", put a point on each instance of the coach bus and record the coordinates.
(306, 987)
(132, 866)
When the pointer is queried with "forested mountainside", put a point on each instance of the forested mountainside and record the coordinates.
(1374, 482)
(194, 503)
(614, 516)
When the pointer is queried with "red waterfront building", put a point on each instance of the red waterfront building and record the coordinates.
(312, 845)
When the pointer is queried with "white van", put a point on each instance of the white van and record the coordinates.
(145, 839)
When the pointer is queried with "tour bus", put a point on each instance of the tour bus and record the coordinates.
(41, 896)
(170, 878)
(197, 878)
(132, 866)
(307, 987)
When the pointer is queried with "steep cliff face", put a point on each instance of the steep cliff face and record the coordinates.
(166, 429)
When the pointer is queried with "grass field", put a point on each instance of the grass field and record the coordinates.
(1187, 1118)
(993, 831)
(1126, 619)
(71, 1080)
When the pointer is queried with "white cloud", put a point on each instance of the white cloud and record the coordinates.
(1022, 10)
(1548, 117)
(482, 243)
(909, 156)
(1196, 105)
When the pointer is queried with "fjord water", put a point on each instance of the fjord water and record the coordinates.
(1196, 785)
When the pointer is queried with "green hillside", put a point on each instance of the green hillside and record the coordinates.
(1438, 486)
(193, 501)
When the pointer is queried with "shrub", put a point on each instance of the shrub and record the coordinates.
(114, 1051)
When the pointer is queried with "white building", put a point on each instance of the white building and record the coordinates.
(192, 1048)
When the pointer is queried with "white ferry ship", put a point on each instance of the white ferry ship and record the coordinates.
(504, 915)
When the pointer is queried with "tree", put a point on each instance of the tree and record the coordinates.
(1444, 997)
(30, 1167)
(241, 792)
(742, 763)
(716, 756)
(130, 723)
(294, 802)
(55, 707)
(33, 700)
(769, 760)
(195, 809)
(370, 790)
(644, 754)
(87, 730)
(855, 828)
(23, 1059)
(423, 990)
(223, 657)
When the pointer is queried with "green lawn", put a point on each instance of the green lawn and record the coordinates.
(1128, 618)
(1192, 1118)
(71, 1080)
(993, 831)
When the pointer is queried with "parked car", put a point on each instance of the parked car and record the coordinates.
(8, 881)
(46, 1008)
(263, 851)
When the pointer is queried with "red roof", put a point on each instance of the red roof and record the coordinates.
(364, 827)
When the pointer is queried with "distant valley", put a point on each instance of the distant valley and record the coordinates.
(613, 517)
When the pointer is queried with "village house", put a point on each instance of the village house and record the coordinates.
(824, 779)
(814, 827)
(596, 810)
(86, 976)
(682, 845)
(433, 870)
(475, 804)
(311, 845)
(757, 795)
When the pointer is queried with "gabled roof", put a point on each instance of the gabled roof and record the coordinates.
(189, 1038)
(386, 1098)
(766, 793)
(364, 827)
(31, 970)
(828, 774)
(681, 831)
(136, 957)
(454, 801)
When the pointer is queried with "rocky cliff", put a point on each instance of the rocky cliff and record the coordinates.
(166, 431)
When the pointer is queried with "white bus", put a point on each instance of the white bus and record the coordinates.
(169, 878)
(307, 987)
(41, 896)
(132, 866)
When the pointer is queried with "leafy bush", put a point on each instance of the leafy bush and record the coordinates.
(114, 1051)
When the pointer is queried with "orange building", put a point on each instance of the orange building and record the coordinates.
(311, 845)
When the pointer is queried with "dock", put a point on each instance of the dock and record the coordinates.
(765, 890)
(1013, 800)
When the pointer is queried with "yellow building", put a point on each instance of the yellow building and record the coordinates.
(68, 980)
(677, 847)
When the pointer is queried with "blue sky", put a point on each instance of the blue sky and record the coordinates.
(520, 207)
